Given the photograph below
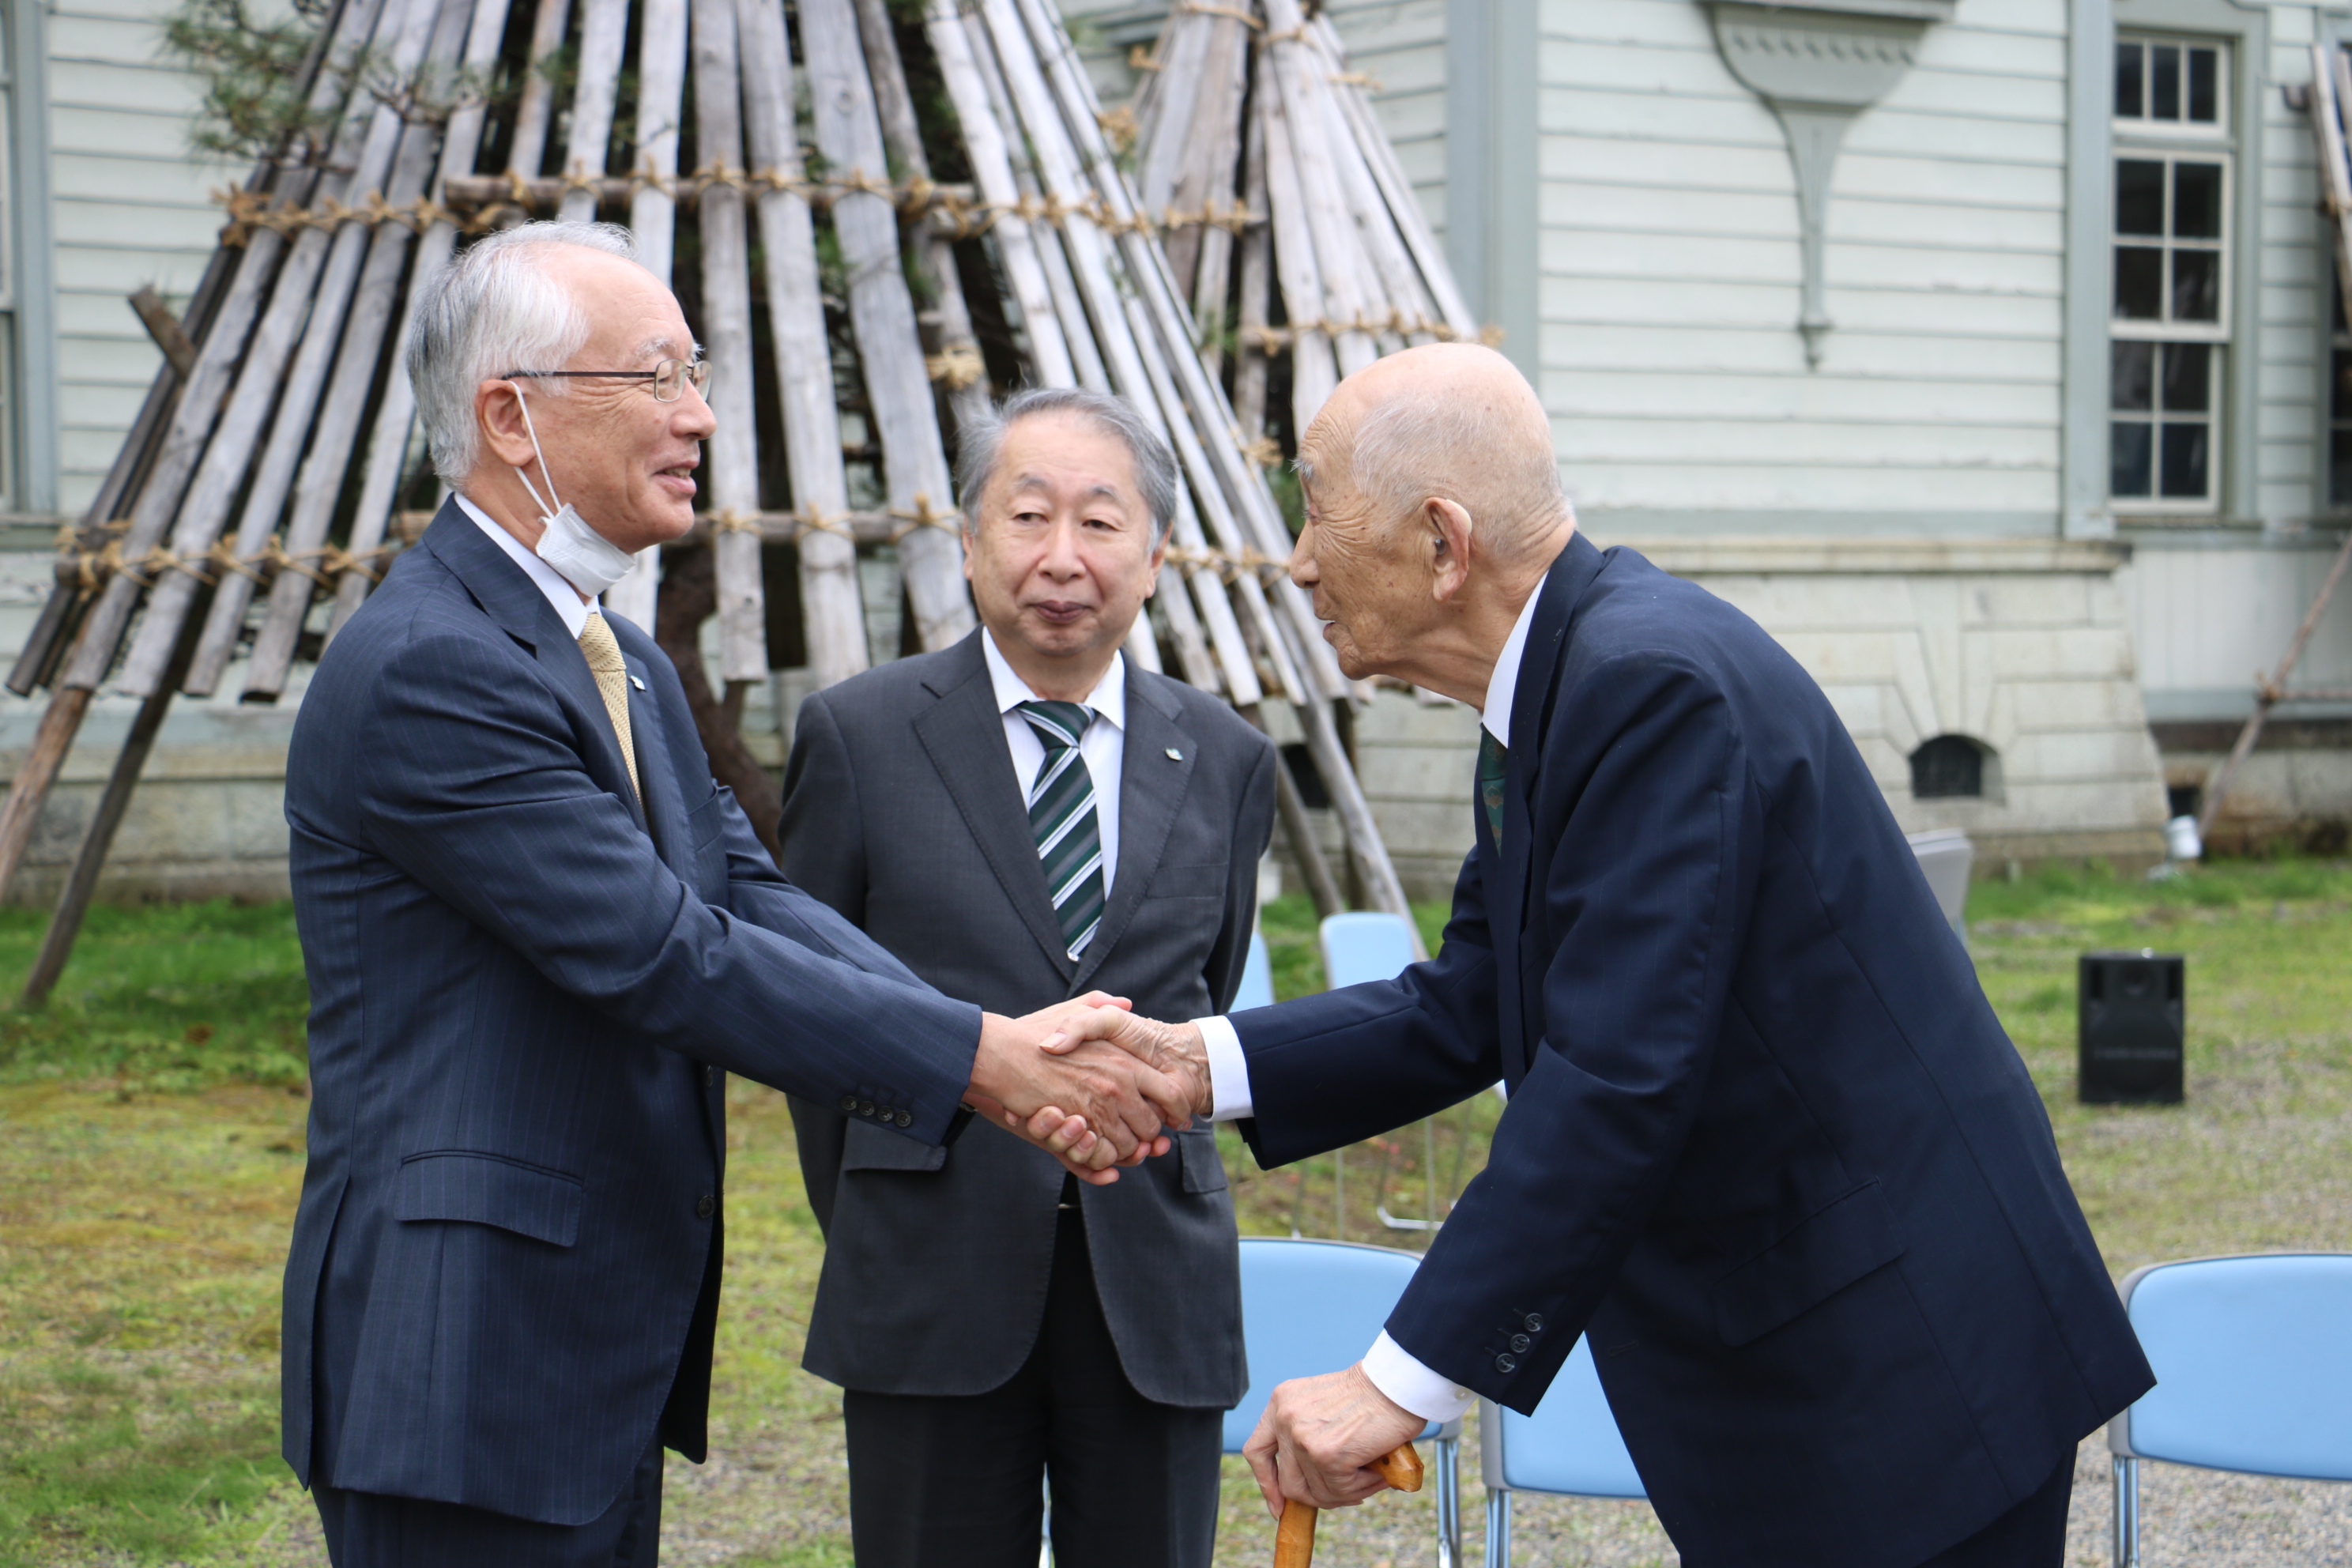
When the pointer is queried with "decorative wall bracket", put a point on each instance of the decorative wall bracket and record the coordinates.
(1817, 66)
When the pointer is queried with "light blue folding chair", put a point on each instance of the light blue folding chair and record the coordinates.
(1570, 1445)
(1313, 1307)
(2254, 1367)
(1257, 977)
(1358, 947)
(1363, 944)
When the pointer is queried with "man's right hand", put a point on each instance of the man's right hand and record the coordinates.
(1173, 1051)
(1091, 1104)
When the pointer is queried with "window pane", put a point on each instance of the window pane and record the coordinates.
(2134, 379)
(2339, 466)
(2184, 462)
(2204, 85)
(2127, 463)
(2188, 378)
(2129, 59)
(2339, 385)
(2165, 81)
(2139, 283)
(2196, 285)
(2197, 201)
(2139, 197)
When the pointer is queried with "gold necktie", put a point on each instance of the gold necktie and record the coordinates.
(613, 684)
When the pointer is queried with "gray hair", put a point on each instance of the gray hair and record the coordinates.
(979, 446)
(1470, 450)
(491, 311)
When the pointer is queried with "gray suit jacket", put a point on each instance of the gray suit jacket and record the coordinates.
(902, 811)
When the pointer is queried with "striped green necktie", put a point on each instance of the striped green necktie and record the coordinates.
(1062, 820)
(1491, 755)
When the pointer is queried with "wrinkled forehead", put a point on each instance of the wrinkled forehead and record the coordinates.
(633, 319)
(1068, 458)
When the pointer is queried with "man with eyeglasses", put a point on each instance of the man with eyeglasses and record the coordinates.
(537, 936)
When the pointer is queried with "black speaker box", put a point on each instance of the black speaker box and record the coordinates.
(2131, 1027)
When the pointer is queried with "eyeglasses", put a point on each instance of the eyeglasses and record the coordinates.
(670, 377)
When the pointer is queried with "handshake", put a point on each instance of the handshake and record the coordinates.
(1091, 1083)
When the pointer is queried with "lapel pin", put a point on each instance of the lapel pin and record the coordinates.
(1174, 755)
(635, 682)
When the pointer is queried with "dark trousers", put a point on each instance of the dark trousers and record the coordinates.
(367, 1530)
(2030, 1535)
(954, 1481)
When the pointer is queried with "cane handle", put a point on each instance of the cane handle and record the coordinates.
(1294, 1538)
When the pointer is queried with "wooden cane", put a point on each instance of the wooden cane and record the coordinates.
(1294, 1538)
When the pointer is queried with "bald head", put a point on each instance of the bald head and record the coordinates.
(1448, 421)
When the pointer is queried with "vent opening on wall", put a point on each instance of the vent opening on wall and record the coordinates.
(1949, 767)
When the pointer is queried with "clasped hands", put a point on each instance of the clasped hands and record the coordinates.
(1090, 1083)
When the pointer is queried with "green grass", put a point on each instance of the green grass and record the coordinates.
(171, 997)
(148, 1177)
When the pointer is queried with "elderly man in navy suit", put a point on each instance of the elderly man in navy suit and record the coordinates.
(537, 938)
(1767, 1145)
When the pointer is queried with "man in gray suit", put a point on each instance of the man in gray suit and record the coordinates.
(1022, 818)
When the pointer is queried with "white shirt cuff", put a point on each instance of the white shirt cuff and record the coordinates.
(1413, 1385)
(1228, 1069)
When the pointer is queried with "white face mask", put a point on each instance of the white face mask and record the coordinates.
(581, 556)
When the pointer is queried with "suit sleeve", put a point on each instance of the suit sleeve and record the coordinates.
(1647, 891)
(1252, 831)
(483, 798)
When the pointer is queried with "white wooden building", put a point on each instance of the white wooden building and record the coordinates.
(1896, 416)
(1902, 410)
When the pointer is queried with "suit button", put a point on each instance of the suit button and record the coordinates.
(1507, 1364)
(1534, 1322)
(704, 1207)
(709, 1075)
(865, 1107)
(848, 1103)
(906, 1119)
(1519, 1342)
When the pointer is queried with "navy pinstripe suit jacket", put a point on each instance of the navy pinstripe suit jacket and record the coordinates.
(524, 988)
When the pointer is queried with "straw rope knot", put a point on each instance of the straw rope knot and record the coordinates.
(716, 173)
(958, 365)
(223, 555)
(813, 521)
(1491, 335)
(647, 177)
(578, 178)
(1197, 8)
(915, 199)
(1265, 452)
(730, 520)
(922, 516)
(1364, 80)
(275, 554)
(1139, 58)
(1119, 124)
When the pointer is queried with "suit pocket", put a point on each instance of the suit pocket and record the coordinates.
(1206, 881)
(868, 1147)
(1204, 1168)
(489, 1189)
(1854, 1237)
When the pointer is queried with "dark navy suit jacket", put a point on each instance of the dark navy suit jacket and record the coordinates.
(1766, 1144)
(525, 993)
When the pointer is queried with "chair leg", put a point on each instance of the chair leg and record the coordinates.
(1498, 1529)
(1045, 1545)
(1449, 1503)
(2125, 1526)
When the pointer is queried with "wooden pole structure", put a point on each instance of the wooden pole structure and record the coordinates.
(270, 466)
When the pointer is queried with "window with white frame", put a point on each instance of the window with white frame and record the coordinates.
(2171, 243)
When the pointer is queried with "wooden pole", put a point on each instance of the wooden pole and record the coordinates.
(727, 325)
(113, 803)
(833, 615)
(604, 34)
(1321, 886)
(956, 366)
(882, 314)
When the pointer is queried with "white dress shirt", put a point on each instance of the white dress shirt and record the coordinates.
(1103, 748)
(1412, 1386)
(559, 590)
